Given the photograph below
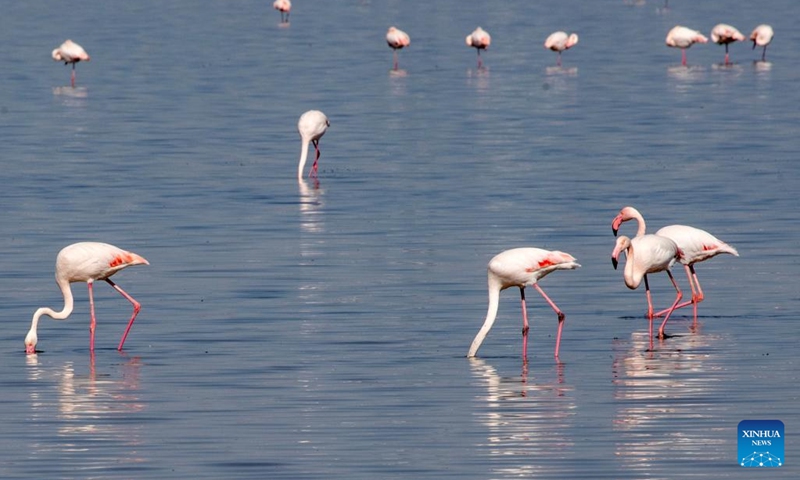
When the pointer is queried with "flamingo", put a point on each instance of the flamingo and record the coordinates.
(480, 40)
(648, 254)
(87, 262)
(312, 126)
(560, 41)
(723, 34)
(696, 245)
(762, 37)
(70, 52)
(283, 6)
(683, 38)
(520, 267)
(397, 40)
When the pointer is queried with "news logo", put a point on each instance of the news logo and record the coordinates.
(761, 443)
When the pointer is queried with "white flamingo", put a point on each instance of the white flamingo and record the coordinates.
(762, 37)
(520, 267)
(648, 254)
(87, 262)
(560, 41)
(70, 52)
(479, 39)
(312, 126)
(397, 40)
(723, 34)
(683, 38)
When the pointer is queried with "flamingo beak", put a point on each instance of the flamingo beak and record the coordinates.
(614, 261)
(615, 224)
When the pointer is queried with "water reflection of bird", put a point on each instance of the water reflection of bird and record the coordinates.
(647, 254)
(397, 40)
(312, 126)
(683, 38)
(520, 267)
(285, 7)
(560, 41)
(87, 262)
(723, 34)
(70, 52)
(762, 37)
(479, 39)
(696, 245)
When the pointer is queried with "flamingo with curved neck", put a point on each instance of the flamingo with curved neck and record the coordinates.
(520, 267)
(696, 245)
(86, 262)
(312, 126)
(648, 254)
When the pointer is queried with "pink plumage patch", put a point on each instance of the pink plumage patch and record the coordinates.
(706, 248)
(546, 262)
(121, 259)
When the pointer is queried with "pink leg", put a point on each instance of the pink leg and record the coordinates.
(525, 327)
(558, 59)
(558, 311)
(72, 77)
(136, 308)
(480, 62)
(93, 322)
(697, 293)
(683, 57)
(313, 172)
(678, 296)
(649, 309)
(395, 59)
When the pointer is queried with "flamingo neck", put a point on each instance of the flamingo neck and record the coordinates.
(65, 312)
(491, 315)
(630, 275)
(303, 157)
(642, 226)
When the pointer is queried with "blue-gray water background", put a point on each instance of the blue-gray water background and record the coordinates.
(289, 331)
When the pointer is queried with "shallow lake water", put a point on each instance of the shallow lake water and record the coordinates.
(319, 330)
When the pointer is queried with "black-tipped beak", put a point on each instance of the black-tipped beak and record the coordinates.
(614, 261)
(614, 230)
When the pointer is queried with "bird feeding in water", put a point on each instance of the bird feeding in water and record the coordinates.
(312, 126)
(87, 262)
(520, 267)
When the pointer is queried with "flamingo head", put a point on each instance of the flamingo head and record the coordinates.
(622, 244)
(627, 213)
(30, 342)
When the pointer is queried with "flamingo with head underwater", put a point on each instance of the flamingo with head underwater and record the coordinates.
(87, 262)
(520, 267)
(312, 126)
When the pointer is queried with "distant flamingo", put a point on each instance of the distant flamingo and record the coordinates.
(683, 38)
(70, 52)
(86, 262)
(696, 245)
(648, 254)
(283, 6)
(312, 126)
(480, 40)
(723, 34)
(762, 37)
(397, 39)
(560, 41)
(520, 267)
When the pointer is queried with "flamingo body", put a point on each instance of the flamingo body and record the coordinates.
(520, 267)
(683, 38)
(70, 52)
(285, 7)
(723, 34)
(762, 37)
(397, 40)
(312, 126)
(696, 245)
(560, 41)
(479, 39)
(86, 262)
